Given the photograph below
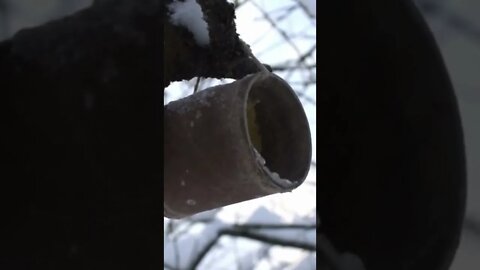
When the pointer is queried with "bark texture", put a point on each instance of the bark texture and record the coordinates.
(223, 58)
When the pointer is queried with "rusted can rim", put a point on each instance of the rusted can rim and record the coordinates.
(285, 184)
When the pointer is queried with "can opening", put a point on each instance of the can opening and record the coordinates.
(278, 129)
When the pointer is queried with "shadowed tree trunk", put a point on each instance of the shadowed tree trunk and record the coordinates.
(81, 141)
(391, 162)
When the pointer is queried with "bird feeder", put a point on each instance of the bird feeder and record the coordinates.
(232, 143)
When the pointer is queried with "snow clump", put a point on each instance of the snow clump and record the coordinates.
(189, 15)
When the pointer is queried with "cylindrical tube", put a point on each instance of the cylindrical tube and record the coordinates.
(232, 143)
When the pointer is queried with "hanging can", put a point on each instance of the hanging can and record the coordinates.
(234, 142)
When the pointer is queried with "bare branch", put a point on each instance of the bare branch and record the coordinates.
(204, 252)
(253, 226)
(269, 239)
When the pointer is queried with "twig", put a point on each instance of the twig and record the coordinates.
(204, 252)
(196, 85)
(244, 231)
(268, 239)
(247, 50)
(286, 67)
(253, 226)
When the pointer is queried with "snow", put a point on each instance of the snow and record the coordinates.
(264, 215)
(189, 15)
(205, 215)
(188, 245)
(308, 262)
(189, 241)
(259, 157)
(284, 183)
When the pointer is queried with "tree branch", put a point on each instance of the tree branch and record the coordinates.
(246, 231)
(253, 226)
(224, 57)
(268, 239)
